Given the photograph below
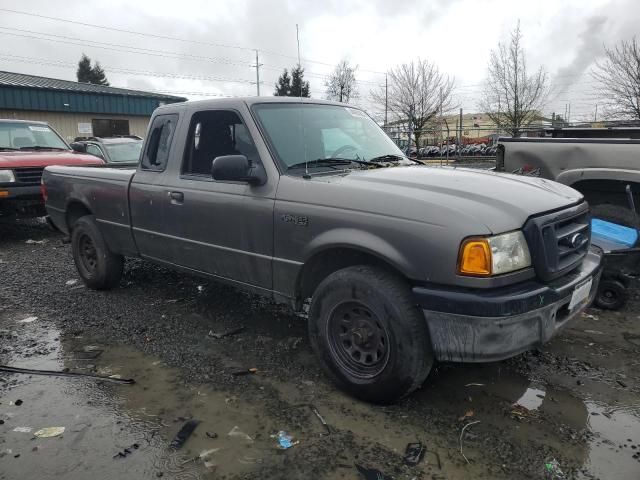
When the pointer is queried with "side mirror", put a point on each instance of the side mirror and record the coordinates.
(79, 147)
(237, 168)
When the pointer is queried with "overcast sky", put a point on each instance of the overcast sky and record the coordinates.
(566, 37)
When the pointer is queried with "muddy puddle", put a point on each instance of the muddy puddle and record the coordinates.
(123, 431)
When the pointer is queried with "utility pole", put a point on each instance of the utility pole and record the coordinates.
(386, 99)
(257, 67)
(569, 114)
(595, 115)
(460, 135)
(298, 40)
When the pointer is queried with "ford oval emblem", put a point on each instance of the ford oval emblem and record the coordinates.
(578, 240)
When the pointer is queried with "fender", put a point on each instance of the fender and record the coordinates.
(570, 177)
(365, 242)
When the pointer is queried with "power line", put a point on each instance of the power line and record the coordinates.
(63, 64)
(167, 37)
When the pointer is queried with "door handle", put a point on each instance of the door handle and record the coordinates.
(176, 197)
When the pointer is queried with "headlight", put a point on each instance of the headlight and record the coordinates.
(6, 176)
(485, 256)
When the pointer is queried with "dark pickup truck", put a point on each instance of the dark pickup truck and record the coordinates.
(396, 264)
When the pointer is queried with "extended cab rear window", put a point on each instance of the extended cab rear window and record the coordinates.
(160, 136)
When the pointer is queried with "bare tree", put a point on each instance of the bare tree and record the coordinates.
(619, 80)
(341, 84)
(512, 98)
(417, 93)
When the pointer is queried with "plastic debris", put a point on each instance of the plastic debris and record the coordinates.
(28, 320)
(474, 385)
(228, 333)
(414, 453)
(462, 436)
(69, 283)
(35, 242)
(49, 432)
(23, 429)
(184, 434)
(285, 440)
(371, 473)
(236, 432)
(207, 453)
(553, 470)
(200, 289)
(248, 371)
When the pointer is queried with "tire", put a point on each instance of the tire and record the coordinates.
(612, 294)
(369, 310)
(99, 267)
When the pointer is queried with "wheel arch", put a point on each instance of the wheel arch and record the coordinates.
(76, 209)
(332, 258)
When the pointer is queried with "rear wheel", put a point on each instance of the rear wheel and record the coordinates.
(369, 335)
(98, 266)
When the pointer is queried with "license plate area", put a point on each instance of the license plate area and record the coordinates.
(580, 293)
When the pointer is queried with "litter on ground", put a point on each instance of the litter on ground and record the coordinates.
(49, 432)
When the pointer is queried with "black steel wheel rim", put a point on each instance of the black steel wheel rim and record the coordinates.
(88, 253)
(358, 340)
(608, 296)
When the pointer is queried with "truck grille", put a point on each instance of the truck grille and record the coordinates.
(28, 176)
(559, 241)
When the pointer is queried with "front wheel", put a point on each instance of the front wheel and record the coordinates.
(369, 336)
(98, 266)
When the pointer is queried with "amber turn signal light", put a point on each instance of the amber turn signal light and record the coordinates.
(475, 257)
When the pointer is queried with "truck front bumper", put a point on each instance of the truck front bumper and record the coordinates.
(24, 201)
(489, 325)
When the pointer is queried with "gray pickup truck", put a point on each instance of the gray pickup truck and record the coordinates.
(396, 265)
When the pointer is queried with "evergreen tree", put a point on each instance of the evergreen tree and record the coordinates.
(84, 72)
(299, 88)
(98, 76)
(283, 87)
(88, 74)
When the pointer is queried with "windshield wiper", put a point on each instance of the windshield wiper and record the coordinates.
(332, 162)
(40, 147)
(389, 157)
(8, 149)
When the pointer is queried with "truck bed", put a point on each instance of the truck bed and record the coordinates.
(104, 189)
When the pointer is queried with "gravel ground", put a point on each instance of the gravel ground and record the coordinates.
(577, 397)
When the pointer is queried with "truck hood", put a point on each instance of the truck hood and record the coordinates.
(46, 158)
(500, 202)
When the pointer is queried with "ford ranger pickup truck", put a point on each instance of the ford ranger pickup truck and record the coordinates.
(395, 264)
(26, 147)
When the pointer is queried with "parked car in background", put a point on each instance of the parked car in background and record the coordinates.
(396, 264)
(26, 148)
(115, 151)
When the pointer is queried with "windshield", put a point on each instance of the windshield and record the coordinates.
(309, 132)
(24, 136)
(124, 152)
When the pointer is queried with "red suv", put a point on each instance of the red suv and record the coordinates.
(26, 148)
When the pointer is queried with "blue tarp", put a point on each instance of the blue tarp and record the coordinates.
(612, 236)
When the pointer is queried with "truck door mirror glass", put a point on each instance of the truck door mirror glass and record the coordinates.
(78, 147)
(196, 136)
(237, 168)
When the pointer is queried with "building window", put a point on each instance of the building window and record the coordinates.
(107, 127)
